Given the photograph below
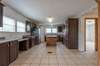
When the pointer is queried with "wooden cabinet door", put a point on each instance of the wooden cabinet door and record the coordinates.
(13, 50)
(4, 54)
(73, 33)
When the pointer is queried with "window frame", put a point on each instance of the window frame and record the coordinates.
(51, 30)
(17, 27)
(11, 26)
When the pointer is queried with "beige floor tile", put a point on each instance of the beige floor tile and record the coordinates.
(15, 65)
(44, 65)
(20, 65)
(34, 64)
(60, 56)
(53, 65)
(44, 61)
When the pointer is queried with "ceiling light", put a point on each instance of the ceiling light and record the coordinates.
(50, 19)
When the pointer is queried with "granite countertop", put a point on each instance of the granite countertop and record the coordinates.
(3, 39)
(9, 40)
(6, 40)
(23, 39)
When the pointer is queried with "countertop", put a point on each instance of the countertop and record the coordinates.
(23, 39)
(9, 40)
(6, 40)
(51, 35)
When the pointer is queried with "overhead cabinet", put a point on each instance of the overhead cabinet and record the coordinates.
(1, 14)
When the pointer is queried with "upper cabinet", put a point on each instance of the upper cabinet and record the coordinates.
(28, 26)
(1, 15)
(61, 28)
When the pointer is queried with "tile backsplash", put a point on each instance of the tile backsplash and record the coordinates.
(12, 35)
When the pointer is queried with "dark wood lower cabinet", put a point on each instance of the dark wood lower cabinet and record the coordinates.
(31, 42)
(13, 50)
(8, 52)
(23, 44)
(4, 54)
(36, 40)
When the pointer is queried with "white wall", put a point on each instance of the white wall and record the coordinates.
(90, 31)
(91, 14)
(81, 35)
(42, 33)
(9, 12)
(11, 35)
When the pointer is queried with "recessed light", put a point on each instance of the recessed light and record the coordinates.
(50, 19)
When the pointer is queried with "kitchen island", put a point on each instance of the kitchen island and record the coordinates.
(51, 40)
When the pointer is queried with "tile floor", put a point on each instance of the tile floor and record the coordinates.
(60, 56)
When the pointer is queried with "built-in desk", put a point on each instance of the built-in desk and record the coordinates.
(31, 40)
(23, 44)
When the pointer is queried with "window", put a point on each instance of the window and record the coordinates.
(48, 30)
(11, 25)
(1, 29)
(20, 26)
(8, 24)
(51, 30)
(28, 28)
(54, 30)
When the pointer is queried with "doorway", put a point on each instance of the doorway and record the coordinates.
(91, 34)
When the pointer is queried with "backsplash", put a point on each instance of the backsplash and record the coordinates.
(9, 35)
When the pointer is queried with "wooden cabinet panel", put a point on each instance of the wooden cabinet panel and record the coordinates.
(71, 35)
(8, 52)
(51, 41)
(13, 50)
(24, 44)
(4, 54)
(31, 42)
(36, 39)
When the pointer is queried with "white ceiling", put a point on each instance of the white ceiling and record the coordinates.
(59, 9)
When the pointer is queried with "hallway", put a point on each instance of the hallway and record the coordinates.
(60, 56)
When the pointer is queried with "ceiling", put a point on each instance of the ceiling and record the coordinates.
(39, 10)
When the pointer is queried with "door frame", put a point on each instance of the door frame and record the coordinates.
(96, 33)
